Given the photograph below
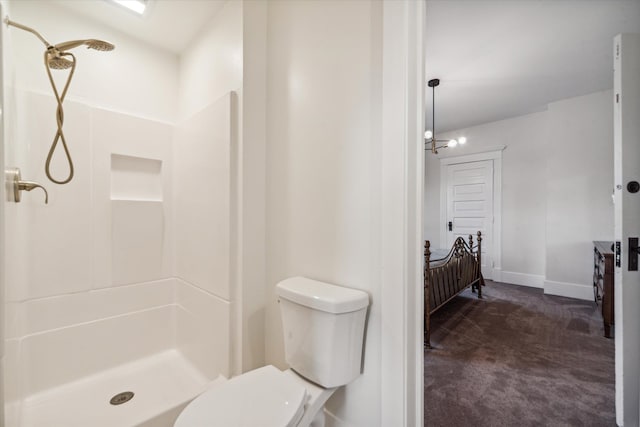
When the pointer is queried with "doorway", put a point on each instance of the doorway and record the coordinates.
(469, 188)
(470, 201)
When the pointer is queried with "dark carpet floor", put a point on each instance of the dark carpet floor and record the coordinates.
(518, 358)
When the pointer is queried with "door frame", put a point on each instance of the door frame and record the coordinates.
(3, 50)
(495, 154)
(401, 159)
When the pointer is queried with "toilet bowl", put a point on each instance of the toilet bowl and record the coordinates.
(323, 326)
(265, 397)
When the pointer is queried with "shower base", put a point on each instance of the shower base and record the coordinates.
(162, 385)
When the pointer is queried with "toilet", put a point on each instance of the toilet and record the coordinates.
(323, 328)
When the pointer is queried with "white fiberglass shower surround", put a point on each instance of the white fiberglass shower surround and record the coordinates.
(122, 282)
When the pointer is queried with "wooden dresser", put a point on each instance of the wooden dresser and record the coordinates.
(603, 281)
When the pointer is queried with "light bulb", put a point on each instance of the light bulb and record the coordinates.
(428, 134)
(462, 140)
(452, 143)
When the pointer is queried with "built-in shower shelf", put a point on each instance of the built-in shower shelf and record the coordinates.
(136, 178)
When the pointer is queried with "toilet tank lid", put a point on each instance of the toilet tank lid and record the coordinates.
(322, 296)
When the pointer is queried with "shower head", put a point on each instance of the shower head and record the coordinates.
(57, 60)
(90, 43)
(58, 63)
(55, 54)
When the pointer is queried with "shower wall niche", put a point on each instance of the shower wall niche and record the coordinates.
(136, 178)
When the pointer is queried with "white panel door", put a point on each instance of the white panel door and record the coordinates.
(626, 127)
(470, 206)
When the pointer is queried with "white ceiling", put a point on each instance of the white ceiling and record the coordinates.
(499, 59)
(167, 24)
(495, 58)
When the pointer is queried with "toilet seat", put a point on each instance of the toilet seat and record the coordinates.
(263, 397)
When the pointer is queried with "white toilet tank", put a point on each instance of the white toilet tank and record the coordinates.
(323, 327)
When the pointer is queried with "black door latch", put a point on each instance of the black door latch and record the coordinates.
(633, 253)
(450, 226)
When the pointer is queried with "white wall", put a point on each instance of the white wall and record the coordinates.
(252, 218)
(212, 65)
(323, 129)
(557, 181)
(579, 187)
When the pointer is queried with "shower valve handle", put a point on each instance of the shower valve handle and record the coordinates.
(14, 179)
(30, 185)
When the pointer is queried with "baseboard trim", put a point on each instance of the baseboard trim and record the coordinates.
(522, 279)
(571, 290)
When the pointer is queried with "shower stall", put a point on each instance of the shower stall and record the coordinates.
(120, 296)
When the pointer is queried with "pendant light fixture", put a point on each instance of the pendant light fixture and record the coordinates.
(431, 142)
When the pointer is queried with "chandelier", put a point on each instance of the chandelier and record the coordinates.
(431, 142)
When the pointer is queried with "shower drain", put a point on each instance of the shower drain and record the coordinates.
(121, 398)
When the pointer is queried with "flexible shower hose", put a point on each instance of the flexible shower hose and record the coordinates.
(59, 119)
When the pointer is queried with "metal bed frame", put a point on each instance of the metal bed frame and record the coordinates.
(453, 274)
